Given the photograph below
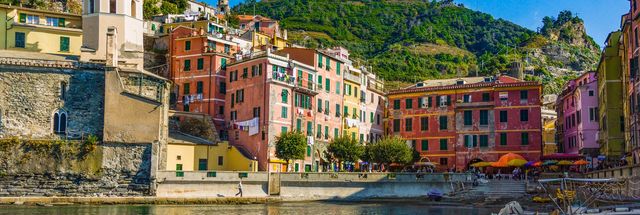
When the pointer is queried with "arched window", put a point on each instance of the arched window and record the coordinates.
(63, 90)
(60, 122)
(133, 8)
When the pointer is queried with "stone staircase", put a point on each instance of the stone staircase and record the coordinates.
(499, 189)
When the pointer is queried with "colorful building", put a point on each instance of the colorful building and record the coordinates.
(578, 104)
(197, 67)
(630, 42)
(42, 31)
(330, 88)
(277, 96)
(189, 153)
(610, 85)
(457, 122)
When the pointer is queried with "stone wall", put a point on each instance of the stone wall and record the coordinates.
(30, 95)
(108, 170)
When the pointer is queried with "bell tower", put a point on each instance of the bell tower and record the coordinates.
(122, 16)
(223, 6)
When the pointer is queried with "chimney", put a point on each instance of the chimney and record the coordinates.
(112, 49)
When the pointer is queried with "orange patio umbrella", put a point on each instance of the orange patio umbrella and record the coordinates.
(510, 156)
(537, 164)
(581, 162)
(499, 164)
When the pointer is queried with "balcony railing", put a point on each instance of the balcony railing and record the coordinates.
(352, 77)
(282, 77)
(309, 87)
(375, 85)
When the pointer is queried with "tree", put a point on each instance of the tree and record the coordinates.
(390, 150)
(345, 149)
(169, 8)
(291, 146)
(150, 9)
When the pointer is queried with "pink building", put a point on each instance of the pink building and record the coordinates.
(577, 108)
(269, 94)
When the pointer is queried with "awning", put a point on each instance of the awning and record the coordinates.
(277, 161)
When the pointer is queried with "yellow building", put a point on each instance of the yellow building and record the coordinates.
(189, 153)
(40, 31)
(352, 112)
(549, 137)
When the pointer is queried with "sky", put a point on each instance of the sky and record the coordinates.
(600, 16)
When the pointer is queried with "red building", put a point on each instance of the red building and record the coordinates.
(457, 122)
(197, 68)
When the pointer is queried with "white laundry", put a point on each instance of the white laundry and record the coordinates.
(252, 125)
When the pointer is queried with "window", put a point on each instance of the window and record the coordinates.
(524, 115)
(20, 40)
(326, 132)
(396, 104)
(408, 124)
(239, 96)
(309, 128)
(202, 164)
(199, 87)
(444, 161)
(63, 90)
(347, 89)
(484, 117)
(220, 160)
(396, 125)
(338, 87)
(284, 112)
(256, 112)
(337, 67)
(30, 19)
(245, 72)
(319, 104)
(227, 48)
(285, 96)
(200, 63)
(484, 140)
(424, 145)
(468, 117)
(579, 118)
(424, 123)
(319, 82)
(591, 93)
(337, 110)
(223, 65)
(223, 87)
(186, 89)
(524, 138)
(112, 6)
(429, 101)
(408, 104)
(133, 8)
(503, 139)
(336, 133)
(524, 95)
(308, 151)
(187, 65)
(443, 144)
(283, 130)
(64, 44)
(466, 98)
(60, 122)
(298, 124)
(187, 45)
(503, 116)
(467, 141)
(592, 114)
(328, 61)
(92, 6)
(486, 97)
(377, 119)
(328, 85)
(221, 110)
(443, 122)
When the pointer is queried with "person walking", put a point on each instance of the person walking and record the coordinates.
(239, 189)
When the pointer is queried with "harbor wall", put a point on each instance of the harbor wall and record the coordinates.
(307, 186)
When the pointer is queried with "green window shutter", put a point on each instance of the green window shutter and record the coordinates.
(466, 141)
(408, 104)
(187, 65)
(448, 100)
(298, 124)
(187, 45)
(320, 60)
(223, 63)
(200, 63)
(484, 117)
(338, 87)
(468, 117)
(61, 22)
(371, 117)
(309, 129)
(338, 68)
(429, 101)
(308, 151)
(23, 18)
(484, 140)
(424, 145)
(186, 88)
(64, 44)
(199, 87)
(285, 96)
(335, 132)
(328, 61)
(443, 123)
(443, 144)
(283, 129)
(503, 139)
(319, 82)
(283, 114)
(326, 132)
(328, 85)
(319, 104)
(396, 104)
(525, 138)
(20, 40)
(419, 102)
(475, 140)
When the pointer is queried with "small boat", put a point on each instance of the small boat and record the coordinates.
(435, 195)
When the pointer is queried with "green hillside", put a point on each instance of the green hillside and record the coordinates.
(406, 41)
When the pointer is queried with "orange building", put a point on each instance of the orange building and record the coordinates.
(197, 68)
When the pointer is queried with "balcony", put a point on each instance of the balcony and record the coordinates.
(351, 77)
(376, 86)
(42, 24)
(282, 78)
(307, 87)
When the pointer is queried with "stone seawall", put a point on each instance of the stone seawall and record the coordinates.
(108, 170)
(306, 186)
